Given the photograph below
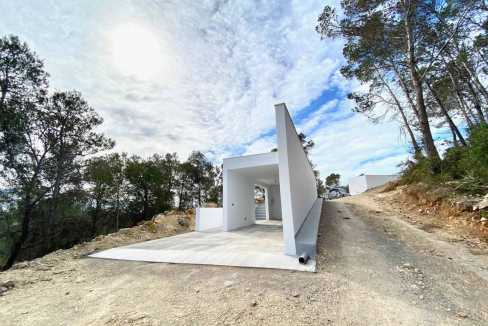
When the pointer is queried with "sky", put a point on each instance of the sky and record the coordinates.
(176, 76)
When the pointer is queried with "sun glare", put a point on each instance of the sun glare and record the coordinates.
(136, 51)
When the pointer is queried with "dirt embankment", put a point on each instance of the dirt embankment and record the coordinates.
(439, 210)
(374, 268)
(65, 261)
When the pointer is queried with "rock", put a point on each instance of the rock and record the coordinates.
(483, 219)
(3, 290)
(9, 285)
(228, 284)
(483, 204)
(253, 303)
(462, 315)
(183, 222)
(346, 218)
(295, 294)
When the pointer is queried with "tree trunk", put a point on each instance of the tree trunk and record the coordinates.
(15, 251)
(95, 216)
(462, 104)
(477, 102)
(405, 89)
(451, 123)
(428, 140)
(416, 147)
(146, 204)
(454, 138)
(475, 79)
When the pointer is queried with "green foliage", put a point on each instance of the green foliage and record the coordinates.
(467, 166)
(332, 179)
(52, 196)
(476, 161)
(321, 190)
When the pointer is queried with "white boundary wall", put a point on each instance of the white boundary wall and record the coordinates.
(364, 182)
(209, 218)
(297, 181)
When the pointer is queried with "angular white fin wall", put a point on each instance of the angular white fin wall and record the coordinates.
(297, 181)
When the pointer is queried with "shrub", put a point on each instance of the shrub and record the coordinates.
(476, 160)
(452, 166)
(419, 171)
(467, 166)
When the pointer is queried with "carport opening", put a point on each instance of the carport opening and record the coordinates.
(252, 197)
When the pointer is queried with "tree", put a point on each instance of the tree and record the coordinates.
(105, 178)
(22, 81)
(55, 136)
(398, 39)
(196, 178)
(321, 189)
(332, 180)
(216, 190)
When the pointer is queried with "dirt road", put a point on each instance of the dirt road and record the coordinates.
(373, 269)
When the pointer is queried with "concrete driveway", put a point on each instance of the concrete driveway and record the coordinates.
(259, 246)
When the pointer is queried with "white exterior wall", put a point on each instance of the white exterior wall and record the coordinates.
(297, 180)
(274, 202)
(362, 183)
(238, 201)
(209, 218)
(378, 180)
(357, 185)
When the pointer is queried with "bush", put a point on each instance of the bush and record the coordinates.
(468, 166)
(476, 160)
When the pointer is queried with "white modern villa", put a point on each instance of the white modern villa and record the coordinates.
(232, 235)
(290, 190)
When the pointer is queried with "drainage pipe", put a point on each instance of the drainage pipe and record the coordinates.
(303, 258)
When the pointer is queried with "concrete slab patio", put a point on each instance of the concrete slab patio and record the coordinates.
(259, 246)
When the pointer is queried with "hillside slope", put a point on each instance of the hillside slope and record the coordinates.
(374, 268)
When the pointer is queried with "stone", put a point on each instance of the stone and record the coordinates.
(462, 314)
(253, 303)
(483, 204)
(183, 222)
(9, 285)
(228, 284)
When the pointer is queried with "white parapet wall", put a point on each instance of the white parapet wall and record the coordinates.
(365, 182)
(209, 218)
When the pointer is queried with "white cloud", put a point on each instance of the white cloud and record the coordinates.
(261, 145)
(228, 63)
(354, 145)
(224, 64)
